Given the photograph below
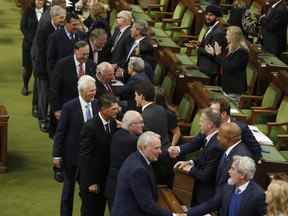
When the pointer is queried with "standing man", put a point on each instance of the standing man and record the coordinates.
(222, 107)
(123, 143)
(58, 15)
(61, 42)
(215, 33)
(95, 155)
(99, 52)
(67, 138)
(203, 168)
(229, 138)
(242, 196)
(66, 74)
(136, 192)
(274, 27)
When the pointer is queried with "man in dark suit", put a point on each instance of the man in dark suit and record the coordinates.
(99, 51)
(229, 138)
(58, 15)
(136, 192)
(215, 33)
(67, 137)
(121, 37)
(66, 74)
(241, 197)
(204, 167)
(123, 143)
(222, 106)
(274, 27)
(141, 45)
(104, 75)
(95, 155)
(61, 42)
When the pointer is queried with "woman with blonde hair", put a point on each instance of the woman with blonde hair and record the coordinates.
(277, 196)
(233, 62)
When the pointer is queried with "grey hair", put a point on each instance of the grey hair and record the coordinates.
(129, 117)
(84, 81)
(97, 32)
(57, 10)
(136, 64)
(125, 14)
(245, 166)
(102, 67)
(214, 117)
(142, 27)
(146, 139)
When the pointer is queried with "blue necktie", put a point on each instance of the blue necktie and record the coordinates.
(87, 112)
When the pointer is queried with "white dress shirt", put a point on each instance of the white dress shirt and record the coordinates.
(83, 104)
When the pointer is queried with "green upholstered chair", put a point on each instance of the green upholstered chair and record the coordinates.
(270, 100)
(279, 126)
(251, 76)
(195, 128)
(169, 85)
(112, 20)
(185, 108)
(153, 8)
(159, 73)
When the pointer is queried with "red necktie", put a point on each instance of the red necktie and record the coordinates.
(81, 70)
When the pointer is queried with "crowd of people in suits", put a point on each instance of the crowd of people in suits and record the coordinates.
(98, 129)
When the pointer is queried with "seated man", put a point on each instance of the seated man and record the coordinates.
(242, 196)
(136, 192)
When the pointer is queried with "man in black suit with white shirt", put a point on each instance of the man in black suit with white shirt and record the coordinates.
(67, 138)
(95, 155)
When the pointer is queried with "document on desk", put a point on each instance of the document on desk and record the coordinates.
(259, 136)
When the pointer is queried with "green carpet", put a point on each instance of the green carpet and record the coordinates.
(28, 188)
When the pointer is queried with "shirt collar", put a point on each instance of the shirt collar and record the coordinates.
(39, 10)
(146, 105)
(76, 61)
(138, 40)
(54, 26)
(83, 102)
(102, 119)
(227, 152)
(124, 28)
(208, 137)
(147, 161)
(242, 187)
(275, 4)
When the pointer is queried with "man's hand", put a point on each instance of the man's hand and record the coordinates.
(183, 165)
(217, 48)
(209, 49)
(174, 151)
(180, 214)
(93, 188)
(57, 163)
(57, 114)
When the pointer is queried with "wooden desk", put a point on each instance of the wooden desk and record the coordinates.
(3, 138)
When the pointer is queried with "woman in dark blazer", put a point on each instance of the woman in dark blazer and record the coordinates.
(29, 20)
(233, 62)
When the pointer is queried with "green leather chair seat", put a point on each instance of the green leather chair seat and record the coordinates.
(136, 8)
(158, 74)
(186, 108)
(159, 32)
(186, 60)
(284, 154)
(141, 17)
(166, 42)
(195, 128)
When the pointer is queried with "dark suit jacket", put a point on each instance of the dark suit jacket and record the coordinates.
(274, 29)
(119, 52)
(205, 166)
(122, 145)
(233, 67)
(252, 202)
(64, 81)
(224, 166)
(206, 62)
(249, 140)
(155, 119)
(103, 55)
(94, 153)
(136, 193)
(67, 136)
(100, 89)
(42, 35)
(60, 46)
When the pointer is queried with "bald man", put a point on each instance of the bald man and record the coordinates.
(229, 137)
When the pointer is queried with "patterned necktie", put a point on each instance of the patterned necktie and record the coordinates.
(87, 112)
(81, 70)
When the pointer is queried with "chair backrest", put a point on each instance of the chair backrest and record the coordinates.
(195, 128)
(251, 75)
(169, 85)
(202, 33)
(186, 108)
(282, 114)
(164, 4)
(179, 11)
(158, 74)
(271, 96)
(187, 19)
(112, 20)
